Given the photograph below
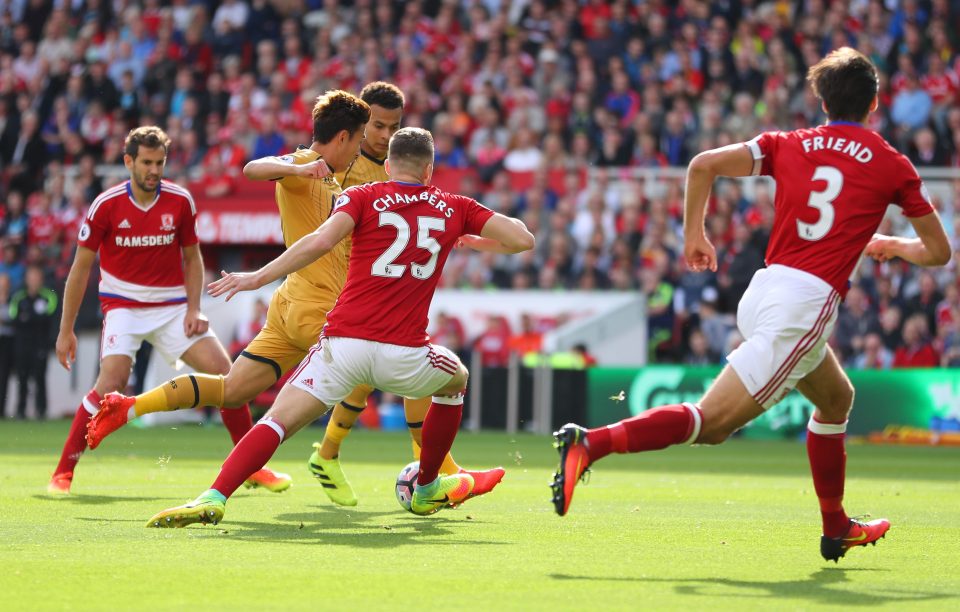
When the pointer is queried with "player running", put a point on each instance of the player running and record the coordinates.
(834, 184)
(403, 231)
(151, 278)
(305, 193)
(386, 112)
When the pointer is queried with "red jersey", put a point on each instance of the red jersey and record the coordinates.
(834, 183)
(42, 228)
(404, 233)
(140, 260)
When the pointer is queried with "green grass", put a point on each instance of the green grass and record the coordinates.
(730, 527)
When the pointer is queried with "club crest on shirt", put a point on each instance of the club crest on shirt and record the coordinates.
(166, 222)
(112, 341)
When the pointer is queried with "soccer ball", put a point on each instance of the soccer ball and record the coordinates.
(406, 481)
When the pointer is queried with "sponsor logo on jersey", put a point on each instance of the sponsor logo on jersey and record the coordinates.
(166, 222)
(124, 225)
(145, 241)
(307, 382)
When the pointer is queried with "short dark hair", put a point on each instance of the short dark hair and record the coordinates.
(846, 80)
(411, 146)
(149, 136)
(336, 111)
(383, 94)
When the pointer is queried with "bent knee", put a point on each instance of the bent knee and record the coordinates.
(457, 384)
(236, 392)
(110, 383)
(839, 405)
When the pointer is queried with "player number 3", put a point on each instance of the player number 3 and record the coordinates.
(823, 202)
(384, 265)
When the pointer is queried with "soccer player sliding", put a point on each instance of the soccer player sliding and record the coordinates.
(834, 185)
(403, 231)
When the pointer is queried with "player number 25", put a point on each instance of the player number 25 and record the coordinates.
(384, 265)
(822, 201)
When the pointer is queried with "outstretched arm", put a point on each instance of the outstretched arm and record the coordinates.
(932, 248)
(731, 160)
(501, 234)
(303, 252)
(274, 168)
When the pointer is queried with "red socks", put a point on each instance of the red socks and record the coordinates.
(828, 464)
(249, 455)
(237, 421)
(652, 430)
(77, 438)
(439, 429)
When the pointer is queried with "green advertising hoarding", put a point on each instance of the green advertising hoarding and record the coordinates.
(883, 397)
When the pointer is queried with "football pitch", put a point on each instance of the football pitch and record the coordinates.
(730, 527)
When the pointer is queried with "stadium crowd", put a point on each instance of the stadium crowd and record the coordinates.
(555, 92)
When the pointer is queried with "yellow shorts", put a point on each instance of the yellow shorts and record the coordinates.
(292, 328)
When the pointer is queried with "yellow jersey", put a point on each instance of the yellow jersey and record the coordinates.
(304, 205)
(364, 169)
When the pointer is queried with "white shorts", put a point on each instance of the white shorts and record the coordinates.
(786, 317)
(125, 329)
(334, 366)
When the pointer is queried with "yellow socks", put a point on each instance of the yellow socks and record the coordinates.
(186, 391)
(341, 421)
(449, 466)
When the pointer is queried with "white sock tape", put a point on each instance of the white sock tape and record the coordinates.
(448, 401)
(826, 429)
(697, 423)
(277, 427)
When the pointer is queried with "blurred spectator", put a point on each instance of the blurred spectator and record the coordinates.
(587, 358)
(269, 141)
(7, 342)
(699, 352)
(715, 326)
(927, 301)
(32, 311)
(16, 223)
(875, 355)
(890, 322)
(493, 344)
(912, 105)
(916, 351)
(25, 158)
(529, 339)
(854, 323)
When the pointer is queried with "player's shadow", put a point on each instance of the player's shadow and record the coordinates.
(101, 519)
(342, 517)
(96, 500)
(818, 588)
(336, 527)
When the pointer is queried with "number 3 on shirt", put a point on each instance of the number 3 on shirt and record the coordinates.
(384, 265)
(822, 201)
